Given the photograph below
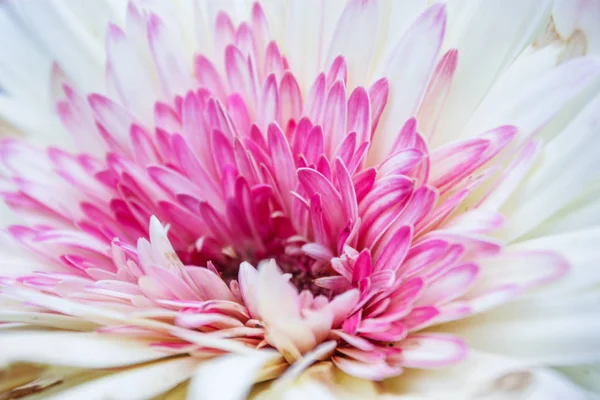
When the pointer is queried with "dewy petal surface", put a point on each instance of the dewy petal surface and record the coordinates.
(390, 199)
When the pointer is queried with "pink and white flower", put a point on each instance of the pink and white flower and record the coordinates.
(364, 198)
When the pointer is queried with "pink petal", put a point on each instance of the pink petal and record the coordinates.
(371, 371)
(334, 119)
(392, 249)
(337, 71)
(283, 162)
(437, 92)
(359, 114)
(273, 60)
(347, 192)
(208, 76)
(431, 350)
(315, 183)
(269, 103)
(113, 118)
(420, 317)
(378, 93)
(450, 285)
(342, 305)
(209, 284)
(316, 100)
(239, 75)
(290, 99)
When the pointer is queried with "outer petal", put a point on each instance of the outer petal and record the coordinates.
(486, 376)
(87, 350)
(132, 384)
(408, 68)
(507, 27)
(551, 330)
(228, 377)
(570, 163)
(354, 38)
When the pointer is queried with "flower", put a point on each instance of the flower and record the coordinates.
(359, 199)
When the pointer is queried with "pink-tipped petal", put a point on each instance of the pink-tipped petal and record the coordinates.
(431, 350)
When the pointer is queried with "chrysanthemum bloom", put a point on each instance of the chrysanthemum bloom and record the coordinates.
(313, 199)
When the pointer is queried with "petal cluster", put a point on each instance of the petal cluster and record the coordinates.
(295, 218)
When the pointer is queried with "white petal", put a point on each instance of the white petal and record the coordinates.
(536, 101)
(520, 269)
(488, 36)
(228, 377)
(309, 26)
(97, 15)
(45, 319)
(408, 68)
(430, 350)
(87, 350)
(583, 212)
(354, 39)
(396, 18)
(136, 86)
(582, 252)
(66, 306)
(570, 15)
(550, 385)
(279, 308)
(568, 164)
(24, 67)
(67, 40)
(484, 376)
(553, 330)
(172, 62)
(45, 127)
(133, 384)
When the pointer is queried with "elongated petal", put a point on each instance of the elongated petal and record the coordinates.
(214, 379)
(407, 69)
(139, 382)
(432, 350)
(88, 350)
(354, 37)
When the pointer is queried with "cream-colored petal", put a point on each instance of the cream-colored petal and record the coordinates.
(546, 329)
(488, 36)
(484, 376)
(229, 377)
(568, 164)
(37, 318)
(581, 213)
(321, 381)
(580, 249)
(86, 350)
(138, 383)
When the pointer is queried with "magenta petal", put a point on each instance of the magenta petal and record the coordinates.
(450, 285)
(392, 249)
(290, 99)
(334, 119)
(359, 114)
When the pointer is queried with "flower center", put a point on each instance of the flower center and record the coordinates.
(303, 270)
